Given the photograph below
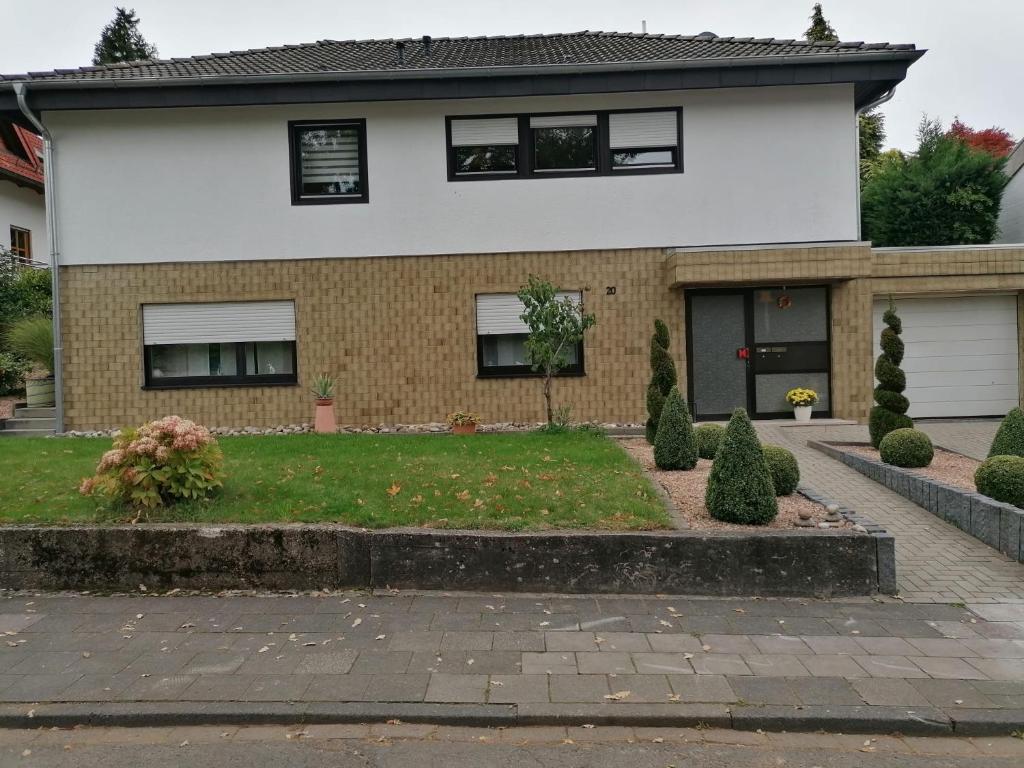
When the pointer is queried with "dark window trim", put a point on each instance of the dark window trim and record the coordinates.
(239, 380)
(601, 138)
(523, 371)
(295, 165)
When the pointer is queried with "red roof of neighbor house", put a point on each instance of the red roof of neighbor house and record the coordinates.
(21, 163)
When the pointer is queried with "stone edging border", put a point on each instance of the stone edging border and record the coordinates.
(999, 525)
(916, 721)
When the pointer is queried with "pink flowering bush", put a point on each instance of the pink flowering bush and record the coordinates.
(165, 461)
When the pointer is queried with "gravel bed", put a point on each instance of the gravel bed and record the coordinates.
(687, 490)
(947, 467)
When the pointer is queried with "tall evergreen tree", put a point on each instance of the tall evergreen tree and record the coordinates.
(891, 411)
(820, 29)
(663, 378)
(121, 40)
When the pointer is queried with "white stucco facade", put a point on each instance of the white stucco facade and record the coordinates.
(761, 165)
(26, 209)
(1011, 212)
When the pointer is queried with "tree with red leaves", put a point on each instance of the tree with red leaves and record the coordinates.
(994, 140)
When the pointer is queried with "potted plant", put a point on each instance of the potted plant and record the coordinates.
(32, 339)
(323, 390)
(802, 400)
(463, 422)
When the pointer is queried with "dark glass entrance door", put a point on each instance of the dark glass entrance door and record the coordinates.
(747, 348)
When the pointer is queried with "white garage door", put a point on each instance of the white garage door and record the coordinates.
(961, 354)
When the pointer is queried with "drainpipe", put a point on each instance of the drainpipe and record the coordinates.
(856, 146)
(50, 195)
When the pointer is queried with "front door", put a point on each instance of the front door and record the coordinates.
(746, 348)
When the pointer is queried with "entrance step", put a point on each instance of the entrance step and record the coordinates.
(18, 423)
(24, 412)
(25, 432)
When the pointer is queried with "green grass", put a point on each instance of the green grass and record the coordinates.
(506, 482)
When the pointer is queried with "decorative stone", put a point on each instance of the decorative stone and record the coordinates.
(832, 514)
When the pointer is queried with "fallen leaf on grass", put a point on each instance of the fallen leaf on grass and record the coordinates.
(394, 490)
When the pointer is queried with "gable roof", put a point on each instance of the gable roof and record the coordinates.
(352, 56)
(1015, 160)
(332, 71)
(20, 156)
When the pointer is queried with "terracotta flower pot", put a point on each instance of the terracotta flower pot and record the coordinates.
(324, 422)
(464, 429)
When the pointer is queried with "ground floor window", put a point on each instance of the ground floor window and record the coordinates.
(230, 343)
(501, 337)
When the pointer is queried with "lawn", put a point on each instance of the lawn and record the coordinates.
(529, 481)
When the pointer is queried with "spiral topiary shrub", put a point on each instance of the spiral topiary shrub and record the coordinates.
(675, 446)
(709, 437)
(784, 469)
(909, 448)
(891, 411)
(740, 488)
(1002, 478)
(163, 462)
(1009, 440)
(663, 378)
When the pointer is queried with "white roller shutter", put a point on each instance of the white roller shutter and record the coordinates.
(218, 323)
(961, 354)
(563, 121)
(629, 130)
(485, 132)
(498, 313)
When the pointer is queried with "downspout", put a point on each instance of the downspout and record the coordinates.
(856, 146)
(50, 194)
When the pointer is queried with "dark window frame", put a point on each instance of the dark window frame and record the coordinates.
(522, 371)
(604, 166)
(23, 252)
(595, 141)
(295, 162)
(238, 380)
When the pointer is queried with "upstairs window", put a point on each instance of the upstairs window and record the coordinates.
(484, 146)
(564, 143)
(501, 337)
(21, 244)
(328, 162)
(643, 140)
(219, 344)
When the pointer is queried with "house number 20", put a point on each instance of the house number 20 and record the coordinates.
(609, 291)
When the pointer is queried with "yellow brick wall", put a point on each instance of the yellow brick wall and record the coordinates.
(398, 333)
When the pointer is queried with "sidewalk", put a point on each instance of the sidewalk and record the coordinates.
(849, 666)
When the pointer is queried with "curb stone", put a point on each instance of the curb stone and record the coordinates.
(916, 721)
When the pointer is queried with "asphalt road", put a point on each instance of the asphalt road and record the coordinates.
(160, 748)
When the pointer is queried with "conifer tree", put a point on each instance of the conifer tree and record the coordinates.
(121, 40)
(675, 445)
(663, 378)
(891, 411)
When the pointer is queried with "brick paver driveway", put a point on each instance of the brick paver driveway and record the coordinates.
(935, 561)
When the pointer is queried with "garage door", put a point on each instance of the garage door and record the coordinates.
(961, 354)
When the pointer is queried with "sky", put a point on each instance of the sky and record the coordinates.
(972, 69)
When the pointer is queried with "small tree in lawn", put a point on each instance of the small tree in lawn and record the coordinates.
(891, 411)
(556, 327)
(122, 41)
(663, 378)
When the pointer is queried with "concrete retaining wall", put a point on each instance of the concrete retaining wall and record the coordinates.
(765, 562)
(999, 525)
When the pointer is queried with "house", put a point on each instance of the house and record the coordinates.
(1011, 212)
(22, 206)
(231, 225)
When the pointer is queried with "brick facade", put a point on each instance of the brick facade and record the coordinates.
(399, 333)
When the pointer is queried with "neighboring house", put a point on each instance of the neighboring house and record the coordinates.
(231, 225)
(22, 206)
(1011, 212)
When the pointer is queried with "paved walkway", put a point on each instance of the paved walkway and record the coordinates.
(549, 656)
(935, 561)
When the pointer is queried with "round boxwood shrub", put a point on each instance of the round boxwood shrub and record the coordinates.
(740, 486)
(1009, 440)
(784, 469)
(709, 437)
(1002, 478)
(907, 447)
(674, 445)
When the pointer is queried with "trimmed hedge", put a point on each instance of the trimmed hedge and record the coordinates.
(675, 446)
(740, 488)
(1002, 478)
(909, 448)
(1009, 440)
(891, 412)
(784, 469)
(709, 437)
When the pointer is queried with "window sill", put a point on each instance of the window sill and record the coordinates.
(529, 375)
(330, 200)
(218, 385)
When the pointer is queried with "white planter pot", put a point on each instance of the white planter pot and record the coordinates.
(802, 412)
